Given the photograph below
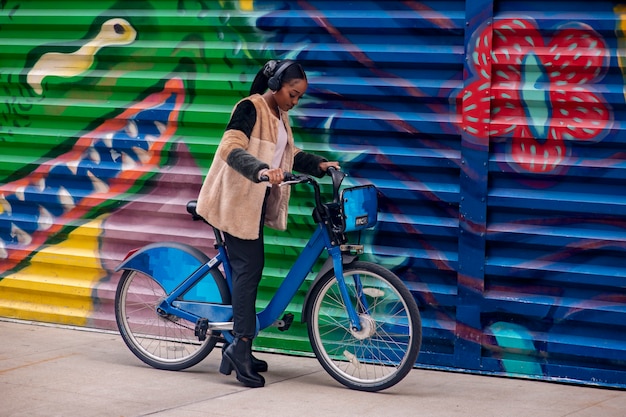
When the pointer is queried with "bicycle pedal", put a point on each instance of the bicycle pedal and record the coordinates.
(287, 320)
(202, 325)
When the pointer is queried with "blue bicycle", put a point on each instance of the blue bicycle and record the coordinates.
(172, 303)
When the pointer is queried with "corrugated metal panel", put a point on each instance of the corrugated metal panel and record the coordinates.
(112, 112)
(553, 301)
(381, 105)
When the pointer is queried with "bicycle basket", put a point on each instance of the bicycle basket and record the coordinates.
(359, 207)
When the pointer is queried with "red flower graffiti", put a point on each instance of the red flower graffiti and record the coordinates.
(535, 93)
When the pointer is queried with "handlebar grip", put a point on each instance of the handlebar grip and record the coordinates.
(288, 176)
(191, 209)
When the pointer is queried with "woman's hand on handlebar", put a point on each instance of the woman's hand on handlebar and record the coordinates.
(274, 176)
(329, 164)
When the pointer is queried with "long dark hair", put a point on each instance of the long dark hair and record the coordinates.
(294, 71)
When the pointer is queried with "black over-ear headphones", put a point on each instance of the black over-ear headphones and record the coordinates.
(275, 80)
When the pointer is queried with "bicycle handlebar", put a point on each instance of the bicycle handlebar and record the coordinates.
(288, 177)
(291, 179)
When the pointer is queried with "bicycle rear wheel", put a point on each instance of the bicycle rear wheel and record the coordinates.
(161, 341)
(383, 352)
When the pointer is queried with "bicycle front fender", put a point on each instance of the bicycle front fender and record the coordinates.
(346, 259)
(167, 262)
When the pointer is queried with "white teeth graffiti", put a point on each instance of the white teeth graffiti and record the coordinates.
(5, 205)
(108, 159)
(45, 219)
(21, 236)
(99, 186)
(66, 199)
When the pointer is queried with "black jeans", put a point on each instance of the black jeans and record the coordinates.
(247, 259)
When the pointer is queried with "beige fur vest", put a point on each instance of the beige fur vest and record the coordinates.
(232, 202)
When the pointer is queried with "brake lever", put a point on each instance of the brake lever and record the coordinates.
(291, 179)
(337, 178)
(292, 182)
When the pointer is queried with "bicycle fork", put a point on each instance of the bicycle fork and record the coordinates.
(337, 258)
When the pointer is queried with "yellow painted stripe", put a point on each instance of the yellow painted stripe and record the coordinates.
(57, 285)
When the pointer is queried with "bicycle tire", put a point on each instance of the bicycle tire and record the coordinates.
(385, 350)
(163, 342)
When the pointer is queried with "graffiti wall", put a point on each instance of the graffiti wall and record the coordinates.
(493, 130)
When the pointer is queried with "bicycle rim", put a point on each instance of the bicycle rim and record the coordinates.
(385, 350)
(164, 342)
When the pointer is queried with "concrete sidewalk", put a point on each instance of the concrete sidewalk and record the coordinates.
(56, 371)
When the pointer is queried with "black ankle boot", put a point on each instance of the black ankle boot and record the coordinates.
(238, 356)
(258, 365)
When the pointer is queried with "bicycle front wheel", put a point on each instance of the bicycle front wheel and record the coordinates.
(383, 352)
(161, 341)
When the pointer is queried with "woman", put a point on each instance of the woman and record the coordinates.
(257, 143)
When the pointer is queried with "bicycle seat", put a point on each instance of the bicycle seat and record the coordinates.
(191, 209)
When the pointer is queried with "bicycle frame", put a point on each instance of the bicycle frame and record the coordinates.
(220, 315)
